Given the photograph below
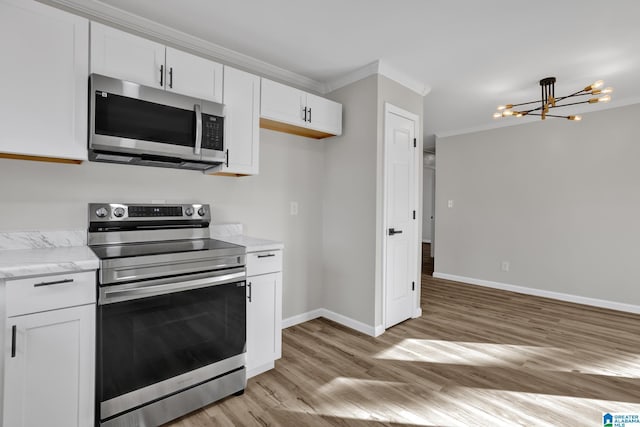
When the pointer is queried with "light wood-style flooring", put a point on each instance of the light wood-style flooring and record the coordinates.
(477, 357)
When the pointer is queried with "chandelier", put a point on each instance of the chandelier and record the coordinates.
(549, 101)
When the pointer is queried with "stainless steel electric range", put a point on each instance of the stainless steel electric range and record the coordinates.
(171, 317)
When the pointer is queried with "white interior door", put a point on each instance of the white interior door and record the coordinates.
(401, 239)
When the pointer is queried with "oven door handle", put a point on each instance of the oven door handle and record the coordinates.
(119, 293)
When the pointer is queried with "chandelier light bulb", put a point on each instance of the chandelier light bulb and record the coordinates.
(595, 85)
(607, 90)
(605, 98)
(507, 113)
(575, 118)
(497, 115)
(505, 107)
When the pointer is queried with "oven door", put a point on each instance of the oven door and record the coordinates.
(159, 337)
(130, 118)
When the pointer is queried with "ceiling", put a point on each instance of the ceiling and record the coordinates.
(473, 54)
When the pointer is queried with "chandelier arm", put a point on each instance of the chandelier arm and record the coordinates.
(572, 95)
(551, 115)
(572, 103)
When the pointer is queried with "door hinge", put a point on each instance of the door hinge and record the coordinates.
(413, 286)
(414, 214)
(415, 143)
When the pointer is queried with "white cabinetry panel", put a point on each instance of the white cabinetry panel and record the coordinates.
(49, 379)
(193, 76)
(124, 56)
(242, 132)
(290, 110)
(44, 78)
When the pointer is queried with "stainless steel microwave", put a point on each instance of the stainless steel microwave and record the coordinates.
(134, 124)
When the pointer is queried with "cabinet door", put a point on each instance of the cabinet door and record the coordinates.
(242, 131)
(193, 76)
(282, 103)
(121, 55)
(324, 115)
(43, 101)
(49, 381)
(264, 322)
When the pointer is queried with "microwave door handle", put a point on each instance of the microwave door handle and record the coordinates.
(198, 145)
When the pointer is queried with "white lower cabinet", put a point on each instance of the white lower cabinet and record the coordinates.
(49, 364)
(264, 316)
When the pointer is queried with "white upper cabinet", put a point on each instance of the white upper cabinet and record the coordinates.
(194, 76)
(124, 56)
(324, 115)
(282, 103)
(44, 78)
(241, 125)
(118, 54)
(287, 109)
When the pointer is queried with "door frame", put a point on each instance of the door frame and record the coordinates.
(417, 235)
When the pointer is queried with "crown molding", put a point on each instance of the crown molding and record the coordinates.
(382, 68)
(104, 13)
(503, 124)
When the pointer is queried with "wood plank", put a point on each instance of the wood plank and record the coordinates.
(39, 159)
(296, 130)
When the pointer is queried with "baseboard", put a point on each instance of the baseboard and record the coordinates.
(426, 241)
(338, 318)
(612, 305)
(301, 318)
(350, 323)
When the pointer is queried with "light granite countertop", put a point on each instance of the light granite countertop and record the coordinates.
(20, 263)
(36, 253)
(233, 233)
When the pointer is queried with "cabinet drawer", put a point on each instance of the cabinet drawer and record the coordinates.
(264, 262)
(44, 293)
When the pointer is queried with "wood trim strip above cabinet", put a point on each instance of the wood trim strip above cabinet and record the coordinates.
(296, 130)
(39, 158)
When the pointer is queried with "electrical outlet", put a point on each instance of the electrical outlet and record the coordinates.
(450, 204)
(293, 208)
(504, 266)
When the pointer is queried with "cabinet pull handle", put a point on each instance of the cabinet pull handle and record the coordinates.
(266, 256)
(249, 286)
(161, 75)
(226, 162)
(309, 114)
(56, 282)
(13, 341)
(305, 114)
(170, 77)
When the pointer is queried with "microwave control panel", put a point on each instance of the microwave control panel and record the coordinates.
(212, 132)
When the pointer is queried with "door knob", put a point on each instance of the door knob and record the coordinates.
(393, 231)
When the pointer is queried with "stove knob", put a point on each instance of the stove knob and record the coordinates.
(102, 212)
(188, 211)
(202, 211)
(118, 212)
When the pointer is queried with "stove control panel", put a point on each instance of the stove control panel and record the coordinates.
(107, 212)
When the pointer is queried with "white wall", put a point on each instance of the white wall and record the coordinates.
(37, 195)
(349, 220)
(559, 200)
